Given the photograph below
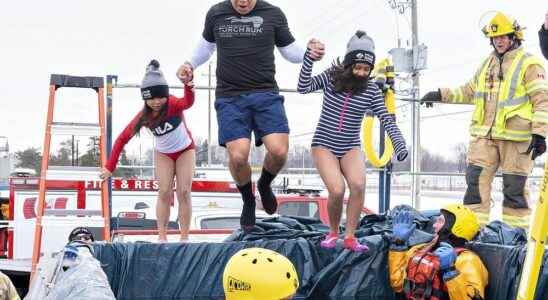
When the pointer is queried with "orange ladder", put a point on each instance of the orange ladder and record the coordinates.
(71, 173)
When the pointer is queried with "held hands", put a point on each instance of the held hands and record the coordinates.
(105, 174)
(190, 84)
(316, 48)
(538, 146)
(185, 73)
(546, 21)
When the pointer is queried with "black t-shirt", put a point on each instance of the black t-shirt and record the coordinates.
(245, 46)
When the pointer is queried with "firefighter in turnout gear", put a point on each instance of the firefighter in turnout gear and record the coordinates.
(440, 269)
(509, 123)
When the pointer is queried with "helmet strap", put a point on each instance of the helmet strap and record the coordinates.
(515, 44)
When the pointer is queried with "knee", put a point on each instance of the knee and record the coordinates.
(165, 194)
(237, 159)
(513, 184)
(473, 173)
(183, 195)
(357, 187)
(336, 193)
(514, 191)
(472, 194)
(279, 152)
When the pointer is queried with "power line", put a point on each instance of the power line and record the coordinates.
(302, 134)
(344, 10)
(320, 15)
(346, 22)
(446, 114)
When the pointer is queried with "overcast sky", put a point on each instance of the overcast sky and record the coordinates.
(120, 37)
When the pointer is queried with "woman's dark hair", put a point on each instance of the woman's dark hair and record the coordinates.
(344, 80)
(147, 120)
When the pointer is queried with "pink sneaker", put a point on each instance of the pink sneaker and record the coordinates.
(330, 241)
(353, 245)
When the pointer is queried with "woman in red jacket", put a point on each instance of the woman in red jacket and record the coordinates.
(174, 154)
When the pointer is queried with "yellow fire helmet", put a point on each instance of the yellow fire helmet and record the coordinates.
(466, 222)
(385, 67)
(502, 24)
(384, 72)
(259, 274)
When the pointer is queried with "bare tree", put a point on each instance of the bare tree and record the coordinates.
(64, 155)
(91, 157)
(461, 151)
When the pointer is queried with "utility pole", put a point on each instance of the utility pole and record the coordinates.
(5, 164)
(411, 62)
(72, 150)
(416, 150)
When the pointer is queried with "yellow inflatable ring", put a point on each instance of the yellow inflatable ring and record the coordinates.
(367, 135)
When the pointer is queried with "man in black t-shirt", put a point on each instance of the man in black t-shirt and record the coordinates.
(245, 33)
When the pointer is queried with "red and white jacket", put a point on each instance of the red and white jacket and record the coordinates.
(171, 134)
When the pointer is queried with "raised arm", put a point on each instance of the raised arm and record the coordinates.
(307, 83)
(293, 52)
(203, 51)
(187, 100)
(288, 47)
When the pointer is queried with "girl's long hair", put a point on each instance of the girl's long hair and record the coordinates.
(147, 120)
(344, 80)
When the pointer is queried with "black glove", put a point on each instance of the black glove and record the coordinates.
(381, 83)
(430, 97)
(538, 145)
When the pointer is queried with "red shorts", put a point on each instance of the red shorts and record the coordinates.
(175, 155)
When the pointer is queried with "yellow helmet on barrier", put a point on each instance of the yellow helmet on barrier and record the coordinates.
(466, 224)
(259, 274)
(384, 74)
(502, 24)
(384, 68)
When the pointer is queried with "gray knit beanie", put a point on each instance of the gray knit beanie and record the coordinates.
(360, 49)
(154, 84)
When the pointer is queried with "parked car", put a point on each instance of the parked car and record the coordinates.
(313, 207)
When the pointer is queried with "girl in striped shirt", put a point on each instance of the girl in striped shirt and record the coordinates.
(348, 96)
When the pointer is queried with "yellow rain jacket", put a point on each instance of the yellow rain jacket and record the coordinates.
(510, 97)
(471, 281)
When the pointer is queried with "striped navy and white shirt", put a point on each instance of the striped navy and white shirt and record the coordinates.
(342, 113)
